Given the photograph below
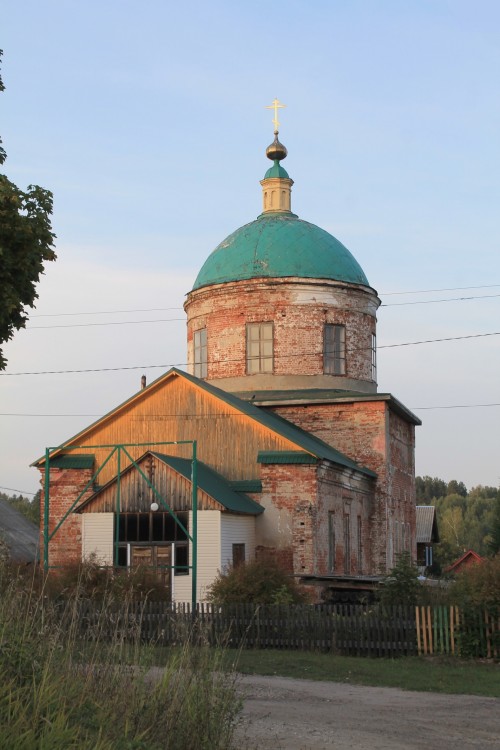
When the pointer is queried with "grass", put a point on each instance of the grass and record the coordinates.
(65, 684)
(435, 674)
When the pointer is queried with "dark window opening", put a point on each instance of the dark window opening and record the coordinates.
(152, 527)
(238, 554)
(331, 541)
(347, 544)
(181, 559)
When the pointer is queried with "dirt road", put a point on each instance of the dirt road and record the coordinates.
(287, 714)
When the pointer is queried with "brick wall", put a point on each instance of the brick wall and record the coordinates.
(374, 436)
(298, 309)
(65, 485)
(295, 526)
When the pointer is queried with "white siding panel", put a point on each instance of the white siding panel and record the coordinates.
(236, 530)
(209, 559)
(97, 537)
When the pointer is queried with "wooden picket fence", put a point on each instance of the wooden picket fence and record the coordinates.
(344, 629)
(449, 630)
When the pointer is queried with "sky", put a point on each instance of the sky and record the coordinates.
(147, 121)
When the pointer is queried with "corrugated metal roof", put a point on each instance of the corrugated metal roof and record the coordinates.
(426, 524)
(246, 485)
(213, 484)
(285, 457)
(73, 461)
(20, 535)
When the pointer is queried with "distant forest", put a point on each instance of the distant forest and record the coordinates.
(467, 519)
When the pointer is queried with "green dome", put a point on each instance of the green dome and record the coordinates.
(278, 246)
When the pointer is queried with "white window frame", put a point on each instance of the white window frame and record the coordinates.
(260, 348)
(200, 353)
(334, 349)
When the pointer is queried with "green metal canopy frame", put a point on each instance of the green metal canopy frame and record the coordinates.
(119, 450)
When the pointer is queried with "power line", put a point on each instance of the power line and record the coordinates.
(449, 289)
(114, 323)
(163, 309)
(454, 406)
(287, 356)
(170, 320)
(21, 492)
(433, 301)
(226, 416)
(104, 312)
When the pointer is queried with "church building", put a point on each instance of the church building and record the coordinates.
(298, 456)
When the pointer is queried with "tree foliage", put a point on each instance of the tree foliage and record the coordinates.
(495, 528)
(466, 519)
(26, 243)
(401, 586)
(256, 582)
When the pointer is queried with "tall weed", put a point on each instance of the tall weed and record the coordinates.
(67, 685)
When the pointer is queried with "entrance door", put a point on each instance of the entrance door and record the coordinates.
(158, 558)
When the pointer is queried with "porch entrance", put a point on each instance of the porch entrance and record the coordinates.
(156, 558)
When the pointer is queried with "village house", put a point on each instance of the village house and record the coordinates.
(298, 456)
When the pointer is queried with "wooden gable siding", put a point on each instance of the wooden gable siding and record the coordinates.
(136, 496)
(176, 409)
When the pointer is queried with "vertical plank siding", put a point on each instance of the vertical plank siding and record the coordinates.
(228, 440)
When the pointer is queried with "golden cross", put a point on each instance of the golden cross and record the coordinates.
(276, 105)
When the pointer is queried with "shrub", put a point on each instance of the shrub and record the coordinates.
(479, 586)
(401, 586)
(256, 582)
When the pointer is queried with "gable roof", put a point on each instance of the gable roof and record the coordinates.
(468, 558)
(273, 422)
(426, 526)
(214, 484)
(209, 481)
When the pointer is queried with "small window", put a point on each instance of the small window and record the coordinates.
(374, 357)
(200, 353)
(259, 348)
(331, 541)
(334, 350)
(238, 555)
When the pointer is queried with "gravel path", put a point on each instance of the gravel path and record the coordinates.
(287, 714)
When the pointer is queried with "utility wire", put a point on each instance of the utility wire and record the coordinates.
(21, 492)
(225, 416)
(287, 356)
(162, 309)
(115, 323)
(449, 289)
(170, 320)
(433, 301)
(104, 312)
